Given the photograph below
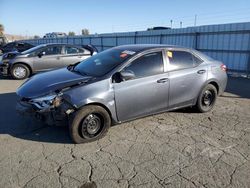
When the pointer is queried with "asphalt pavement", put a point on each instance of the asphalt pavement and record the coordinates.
(173, 149)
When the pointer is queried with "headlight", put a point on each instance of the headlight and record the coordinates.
(47, 101)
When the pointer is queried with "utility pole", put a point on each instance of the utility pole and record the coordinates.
(26, 34)
(171, 22)
(180, 24)
(195, 19)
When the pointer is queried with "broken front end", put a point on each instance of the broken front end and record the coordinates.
(52, 109)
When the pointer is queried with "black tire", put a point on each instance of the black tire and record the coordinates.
(207, 98)
(82, 123)
(23, 75)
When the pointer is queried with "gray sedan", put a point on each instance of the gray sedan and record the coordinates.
(42, 58)
(121, 84)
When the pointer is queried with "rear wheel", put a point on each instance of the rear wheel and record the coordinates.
(20, 71)
(89, 124)
(207, 98)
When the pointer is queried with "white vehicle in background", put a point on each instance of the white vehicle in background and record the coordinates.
(54, 35)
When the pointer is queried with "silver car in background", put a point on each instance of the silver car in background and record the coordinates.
(121, 84)
(21, 65)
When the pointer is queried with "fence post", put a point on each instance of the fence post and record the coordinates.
(135, 37)
(248, 61)
(101, 43)
(196, 40)
(161, 38)
(90, 40)
(248, 64)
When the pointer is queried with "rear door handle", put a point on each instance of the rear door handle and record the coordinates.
(201, 71)
(163, 80)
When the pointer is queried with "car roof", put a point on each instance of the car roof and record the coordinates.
(131, 47)
(60, 44)
(18, 42)
(143, 47)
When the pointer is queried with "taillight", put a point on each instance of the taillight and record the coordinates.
(223, 67)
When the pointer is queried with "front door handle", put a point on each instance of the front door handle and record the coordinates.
(201, 71)
(163, 80)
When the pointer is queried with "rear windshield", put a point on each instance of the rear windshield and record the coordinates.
(203, 55)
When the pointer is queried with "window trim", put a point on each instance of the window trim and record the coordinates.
(130, 61)
(183, 50)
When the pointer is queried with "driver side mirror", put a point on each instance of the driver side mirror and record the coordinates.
(127, 75)
(41, 54)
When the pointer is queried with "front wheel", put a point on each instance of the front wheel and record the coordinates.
(89, 124)
(20, 71)
(207, 98)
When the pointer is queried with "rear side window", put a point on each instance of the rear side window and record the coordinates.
(147, 65)
(182, 60)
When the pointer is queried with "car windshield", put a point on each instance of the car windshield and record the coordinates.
(102, 63)
(33, 49)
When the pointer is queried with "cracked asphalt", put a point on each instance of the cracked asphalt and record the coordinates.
(173, 149)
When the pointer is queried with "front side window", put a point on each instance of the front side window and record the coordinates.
(181, 60)
(27, 45)
(147, 65)
(19, 44)
(53, 50)
(71, 50)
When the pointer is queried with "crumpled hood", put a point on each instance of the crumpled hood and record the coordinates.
(49, 82)
(10, 55)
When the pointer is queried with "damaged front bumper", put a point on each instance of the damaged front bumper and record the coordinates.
(51, 115)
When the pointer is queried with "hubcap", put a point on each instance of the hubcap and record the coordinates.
(19, 72)
(91, 125)
(208, 98)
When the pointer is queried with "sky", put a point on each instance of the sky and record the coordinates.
(37, 17)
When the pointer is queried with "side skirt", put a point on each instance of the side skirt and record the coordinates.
(155, 113)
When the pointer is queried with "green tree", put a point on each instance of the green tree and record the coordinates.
(1, 29)
(71, 33)
(85, 31)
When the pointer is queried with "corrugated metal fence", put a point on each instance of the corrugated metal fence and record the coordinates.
(229, 43)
